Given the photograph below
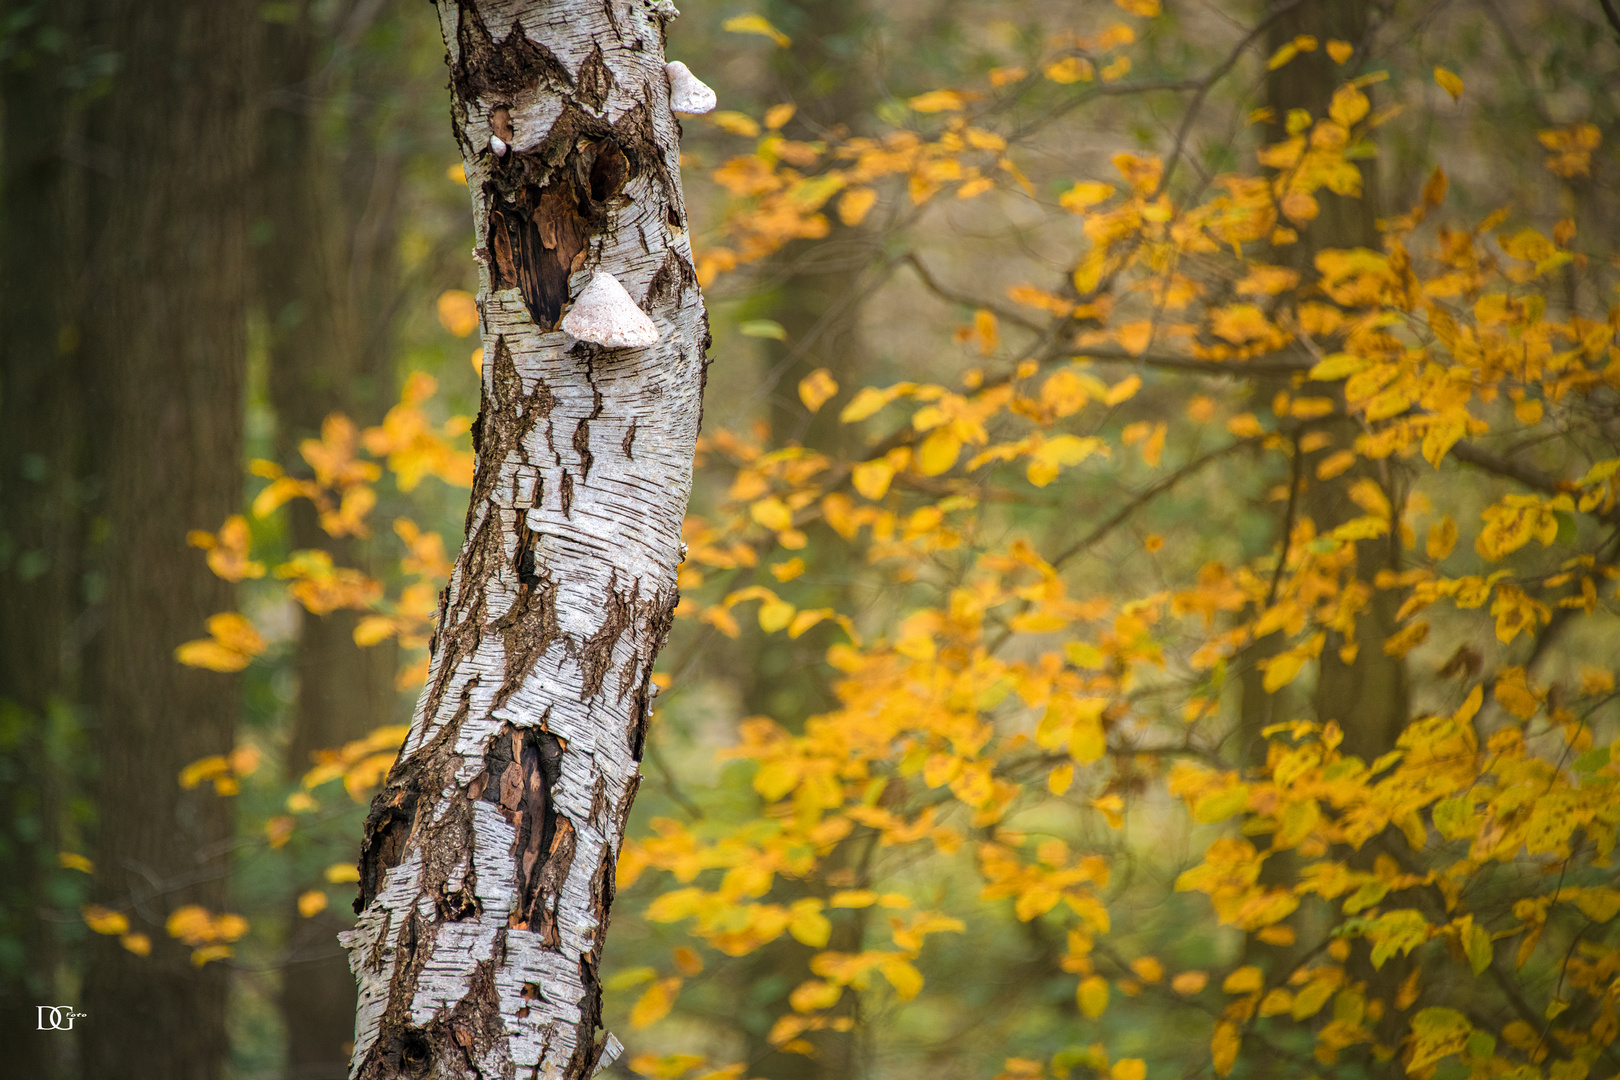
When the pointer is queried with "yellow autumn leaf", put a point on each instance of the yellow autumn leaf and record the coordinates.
(855, 203)
(1189, 982)
(209, 953)
(735, 123)
(1245, 980)
(867, 401)
(1085, 195)
(937, 101)
(1147, 9)
(778, 115)
(1348, 105)
(817, 388)
(906, 979)
(772, 513)
(756, 24)
(373, 629)
(340, 873)
(1282, 56)
(211, 655)
(311, 903)
(190, 923)
(871, 478)
(1059, 779)
(1070, 69)
(1223, 1047)
(1092, 996)
(139, 944)
(807, 925)
(68, 860)
(1128, 1069)
(202, 769)
(1282, 669)
(458, 311)
(1449, 82)
(1340, 51)
(938, 452)
(1123, 390)
(1148, 969)
(104, 920)
(775, 615)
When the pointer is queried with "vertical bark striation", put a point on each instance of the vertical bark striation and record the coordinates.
(487, 865)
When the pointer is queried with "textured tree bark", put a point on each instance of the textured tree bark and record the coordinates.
(486, 872)
(166, 356)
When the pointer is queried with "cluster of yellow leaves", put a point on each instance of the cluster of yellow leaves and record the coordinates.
(209, 935)
(341, 491)
(1500, 802)
(224, 770)
(781, 191)
(231, 643)
(361, 764)
(340, 488)
(104, 920)
(1006, 693)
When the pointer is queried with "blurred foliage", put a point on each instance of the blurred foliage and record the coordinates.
(998, 736)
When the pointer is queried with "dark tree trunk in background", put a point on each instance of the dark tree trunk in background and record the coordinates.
(817, 285)
(816, 288)
(40, 525)
(166, 342)
(323, 272)
(1365, 693)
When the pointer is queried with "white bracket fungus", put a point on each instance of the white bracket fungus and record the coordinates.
(687, 94)
(604, 314)
(498, 145)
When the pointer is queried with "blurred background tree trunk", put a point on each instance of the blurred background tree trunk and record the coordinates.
(326, 280)
(41, 512)
(166, 351)
(1359, 686)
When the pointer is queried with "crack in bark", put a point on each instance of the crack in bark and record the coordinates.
(597, 656)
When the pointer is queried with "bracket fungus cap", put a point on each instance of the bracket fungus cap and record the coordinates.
(687, 93)
(604, 314)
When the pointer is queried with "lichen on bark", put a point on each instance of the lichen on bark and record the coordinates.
(486, 872)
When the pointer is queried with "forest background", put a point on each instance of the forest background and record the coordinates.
(1149, 606)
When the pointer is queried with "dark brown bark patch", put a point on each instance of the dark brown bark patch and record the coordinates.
(388, 828)
(673, 275)
(515, 66)
(594, 82)
(530, 626)
(524, 764)
(597, 655)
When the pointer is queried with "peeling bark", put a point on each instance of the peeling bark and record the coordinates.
(486, 872)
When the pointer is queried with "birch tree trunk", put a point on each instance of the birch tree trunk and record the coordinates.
(486, 873)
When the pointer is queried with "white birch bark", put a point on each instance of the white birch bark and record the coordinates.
(487, 867)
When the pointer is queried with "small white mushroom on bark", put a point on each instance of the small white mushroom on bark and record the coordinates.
(498, 145)
(604, 314)
(687, 94)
